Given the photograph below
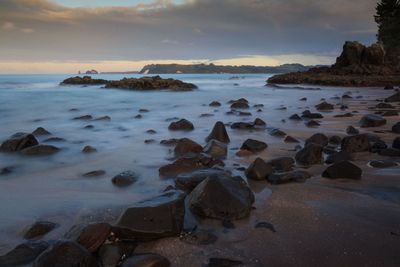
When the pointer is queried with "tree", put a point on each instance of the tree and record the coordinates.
(388, 19)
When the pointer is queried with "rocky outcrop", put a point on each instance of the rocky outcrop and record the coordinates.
(18, 142)
(358, 65)
(85, 80)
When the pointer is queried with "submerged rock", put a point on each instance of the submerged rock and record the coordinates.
(311, 154)
(151, 83)
(23, 254)
(254, 146)
(324, 106)
(124, 179)
(18, 142)
(89, 149)
(181, 125)
(85, 80)
(186, 146)
(372, 120)
(259, 170)
(188, 181)
(216, 149)
(383, 164)
(356, 143)
(146, 260)
(40, 150)
(219, 133)
(40, 131)
(343, 169)
(39, 229)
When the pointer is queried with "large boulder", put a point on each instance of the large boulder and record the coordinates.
(259, 170)
(40, 150)
(186, 146)
(311, 154)
(23, 254)
(151, 83)
(216, 149)
(355, 143)
(181, 125)
(188, 181)
(343, 169)
(372, 120)
(374, 55)
(18, 141)
(94, 235)
(339, 156)
(254, 146)
(222, 198)
(146, 260)
(319, 139)
(154, 218)
(189, 164)
(66, 254)
(219, 133)
(351, 55)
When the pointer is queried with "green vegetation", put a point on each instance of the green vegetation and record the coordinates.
(388, 19)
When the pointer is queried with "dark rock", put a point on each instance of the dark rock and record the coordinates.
(169, 142)
(303, 99)
(206, 115)
(346, 96)
(242, 125)
(154, 218)
(389, 152)
(151, 131)
(372, 120)
(384, 106)
(23, 254)
(222, 198)
(335, 140)
(259, 170)
(85, 80)
(89, 127)
(383, 164)
(290, 139)
(254, 146)
(185, 147)
(295, 117)
(138, 116)
(324, 106)
(149, 141)
(389, 87)
(259, 122)
(393, 98)
(95, 173)
(151, 83)
(89, 149)
(346, 115)
(355, 143)
(329, 150)
(351, 130)
(396, 143)
(6, 170)
(144, 110)
(216, 149)
(307, 114)
(18, 142)
(94, 235)
(242, 113)
(377, 146)
(54, 139)
(124, 179)
(299, 176)
(40, 131)
(188, 181)
(215, 104)
(266, 225)
(311, 154)
(110, 255)
(319, 139)
(181, 125)
(312, 123)
(240, 105)
(396, 128)
(146, 260)
(282, 164)
(277, 132)
(219, 133)
(343, 169)
(222, 262)
(65, 254)
(104, 118)
(40, 150)
(390, 113)
(338, 157)
(39, 229)
(84, 118)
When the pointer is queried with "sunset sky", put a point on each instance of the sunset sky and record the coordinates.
(64, 36)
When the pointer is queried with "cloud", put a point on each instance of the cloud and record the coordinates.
(195, 29)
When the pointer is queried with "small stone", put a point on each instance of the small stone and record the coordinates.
(40, 131)
(39, 229)
(89, 149)
(124, 179)
(94, 173)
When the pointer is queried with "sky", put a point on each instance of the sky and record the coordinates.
(64, 36)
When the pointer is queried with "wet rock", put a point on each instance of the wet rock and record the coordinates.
(186, 146)
(94, 235)
(329, 150)
(151, 83)
(312, 123)
(181, 125)
(277, 132)
(40, 150)
(149, 141)
(144, 110)
(343, 169)
(295, 117)
(222, 198)
(396, 128)
(223, 262)
(85, 80)
(151, 131)
(169, 142)
(298, 176)
(384, 106)
(372, 120)
(23, 254)
(389, 152)
(89, 149)
(290, 139)
(154, 218)
(311, 154)
(324, 106)
(355, 143)
(18, 142)
(346, 115)
(338, 157)
(307, 114)
(319, 139)
(138, 116)
(215, 104)
(65, 253)
(54, 139)
(88, 127)
(188, 164)
(94, 173)
(265, 225)
(146, 260)
(39, 229)
(242, 125)
(206, 115)
(346, 96)
(351, 130)
(40, 131)
(84, 118)
(393, 98)
(219, 133)
(244, 153)
(103, 118)
(110, 255)
(259, 170)
(239, 105)
(377, 145)
(282, 164)
(335, 140)
(381, 164)
(216, 149)
(259, 123)
(396, 143)
(303, 99)
(254, 146)
(6, 170)
(188, 181)
(124, 179)
(390, 113)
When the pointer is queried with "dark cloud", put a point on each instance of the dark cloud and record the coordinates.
(41, 30)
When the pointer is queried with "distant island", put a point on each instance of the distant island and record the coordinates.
(214, 69)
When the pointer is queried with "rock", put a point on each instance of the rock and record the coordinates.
(259, 170)
(186, 147)
(181, 125)
(215, 104)
(254, 146)
(39, 229)
(259, 122)
(308, 115)
(351, 130)
(219, 133)
(222, 198)
(389, 152)
(390, 113)
(239, 105)
(144, 110)
(223, 262)
(89, 149)
(346, 96)
(372, 120)
(65, 253)
(94, 173)
(154, 218)
(149, 141)
(18, 142)
(124, 179)
(6, 170)
(88, 127)
(188, 181)
(84, 118)
(338, 157)
(382, 164)
(242, 125)
(40, 150)
(151, 83)
(393, 98)
(23, 254)
(324, 106)
(265, 225)
(295, 117)
(299, 176)
(282, 164)
(377, 146)
(94, 235)
(396, 143)
(216, 149)
(104, 118)
(151, 131)
(206, 115)
(384, 106)
(138, 116)
(40, 131)
(388, 87)
(85, 80)
(311, 154)
(319, 139)
(335, 140)
(244, 153)
(110, 255)
(188, 164)
(290, 139)
(169, 142)
(343, 169)
(351, 55)
(54, 139)
(312, 123)
(355, 143)
(396, 128)
(346, 115)
(277, 132)
(303, 99)
(146, 260)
